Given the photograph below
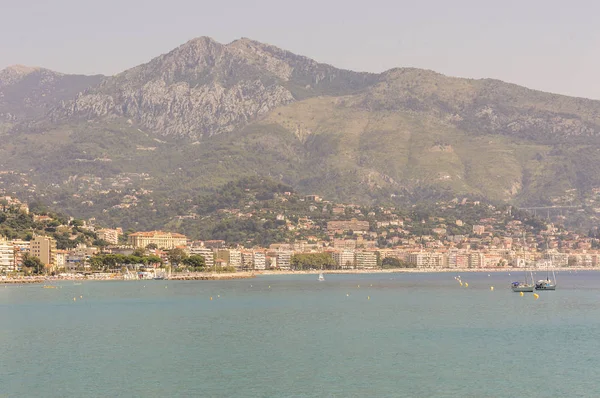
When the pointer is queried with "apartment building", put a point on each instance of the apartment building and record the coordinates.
(44, 248)
(366, 259)
(162, 240)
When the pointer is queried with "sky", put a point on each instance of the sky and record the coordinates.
(546, 45)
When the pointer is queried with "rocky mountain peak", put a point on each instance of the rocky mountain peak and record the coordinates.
(14, 73)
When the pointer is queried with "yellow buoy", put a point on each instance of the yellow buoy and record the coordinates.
(466, 284)
(368, 297)
(74, 298)
(211, 299)
(461, 283)
(521, 294)
(492, 288)
(536, 296)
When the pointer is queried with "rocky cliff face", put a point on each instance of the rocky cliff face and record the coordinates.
(203, 88)
(30, 92)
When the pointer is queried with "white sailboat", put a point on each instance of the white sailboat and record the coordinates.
(321, 277)
(525, 286)
(547, 284)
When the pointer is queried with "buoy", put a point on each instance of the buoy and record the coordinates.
(80, 296)
(536, 296)
(521, 294)
(488, 274)
(368, 297)
(165, 287)
(357, 285)
(492, 288)
(371, 285)
(466, 284)
(211, 299)
(218, 295)
(74, 298)
(461, 283)
(347, 295)
(269, 286)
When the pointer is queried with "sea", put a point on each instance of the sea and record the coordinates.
(352, 335)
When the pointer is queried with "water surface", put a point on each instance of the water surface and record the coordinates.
(370, 335)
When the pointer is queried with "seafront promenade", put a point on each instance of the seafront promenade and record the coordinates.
(199, 276)
(191, 276)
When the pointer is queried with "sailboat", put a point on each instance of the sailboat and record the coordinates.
(523, 286)
(547, 284)
(321, 277)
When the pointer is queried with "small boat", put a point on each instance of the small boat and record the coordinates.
(546, 284)
(321, 277)
(522, 287)
(525, 287)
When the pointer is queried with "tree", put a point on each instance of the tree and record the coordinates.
(303, 261)
(391, 262)
(176, 256)
(152, 246)
(139, 252)
(195, 262)
(77, 223)
(33, 263)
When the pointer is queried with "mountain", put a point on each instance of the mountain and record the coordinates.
(138, 148)
(29, 92)
(203, 88)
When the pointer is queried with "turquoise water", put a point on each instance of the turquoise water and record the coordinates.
(397, 335)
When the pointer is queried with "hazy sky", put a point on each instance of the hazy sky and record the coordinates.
(548, 45)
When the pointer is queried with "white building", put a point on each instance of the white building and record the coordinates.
(235, 258)
(427, 260)
(260, 260)
(366, 259)
(209, 256)
(283, 259)
(344, 258)
(7, 256)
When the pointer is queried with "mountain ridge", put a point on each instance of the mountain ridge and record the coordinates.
(208, 113)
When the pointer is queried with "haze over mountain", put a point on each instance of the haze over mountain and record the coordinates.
(139, 146)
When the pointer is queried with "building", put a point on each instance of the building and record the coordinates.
(358, 227)
(61, 258)
(44, 248)
(109, 235)
(162, 240)
(427, 260)
(283, 259)
(208, 254)
(344, 258)
(247, 260)
(7, 256)
(259, 260)
(235, 259)
(344, 244)
(478, 229)
(366, 259)
(229, 257)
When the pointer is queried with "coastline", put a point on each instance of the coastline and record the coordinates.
(421, 270)
(253, 274)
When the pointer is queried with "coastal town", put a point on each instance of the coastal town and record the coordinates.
(350, 238)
